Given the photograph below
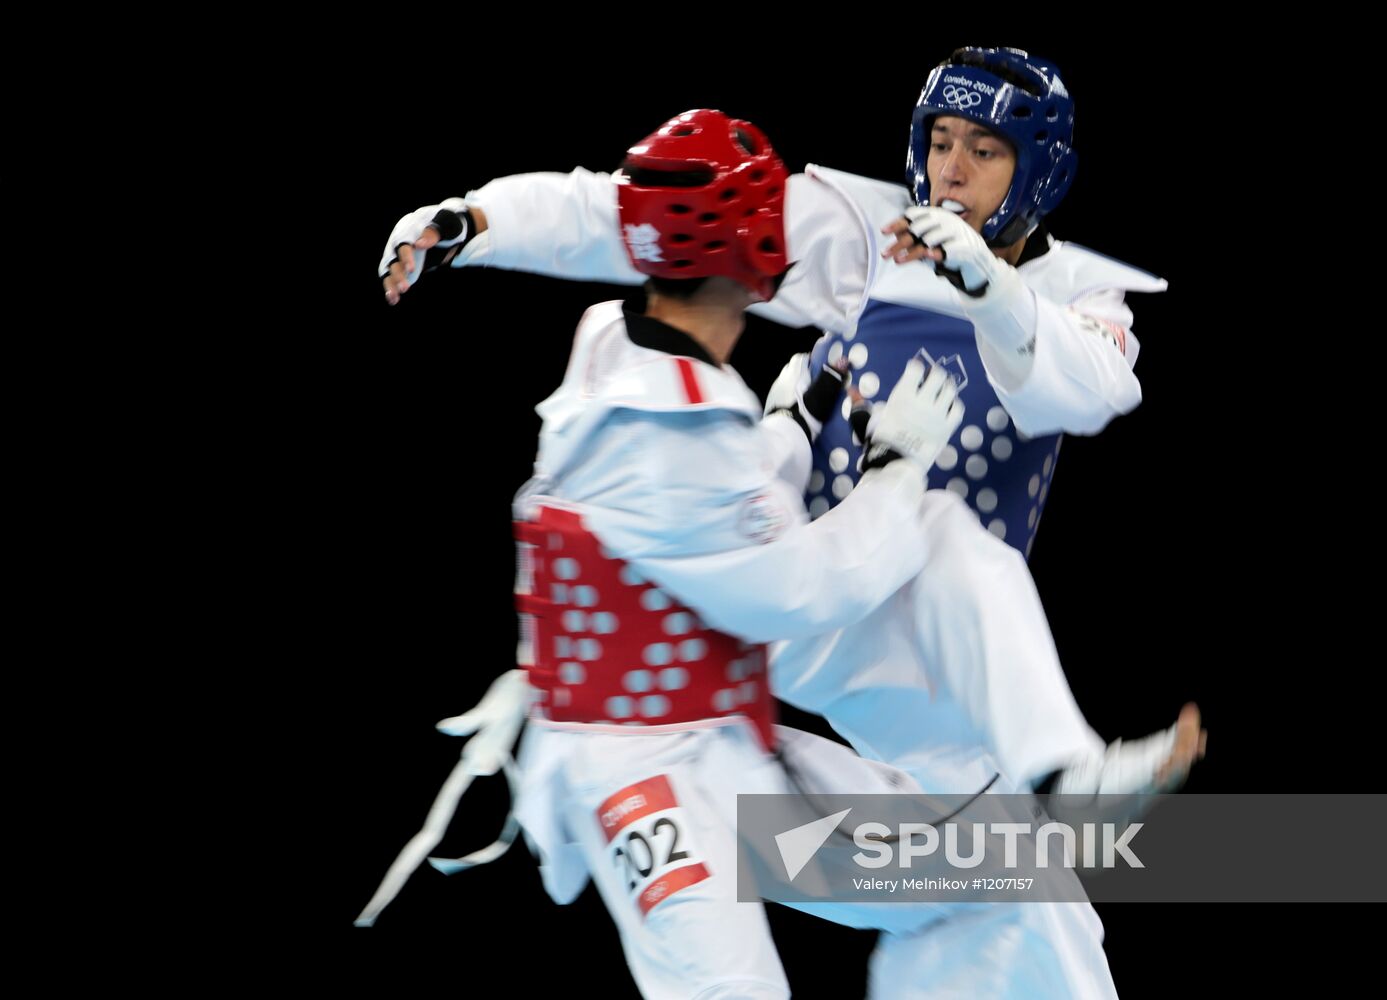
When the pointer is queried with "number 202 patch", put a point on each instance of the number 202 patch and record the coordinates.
(648, 842)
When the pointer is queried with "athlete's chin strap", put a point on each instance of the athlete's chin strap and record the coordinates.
(496, 721)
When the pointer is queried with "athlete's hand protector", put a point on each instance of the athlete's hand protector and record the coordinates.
(994, 297)
(969, 263)
(808, 403)
(917, 420)
(455, 229)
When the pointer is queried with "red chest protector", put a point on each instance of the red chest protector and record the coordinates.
(607, 647)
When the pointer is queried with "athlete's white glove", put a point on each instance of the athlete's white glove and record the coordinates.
(455, 228)
(917, 419)
(1000, 306)
(808, 403)
(969, 263)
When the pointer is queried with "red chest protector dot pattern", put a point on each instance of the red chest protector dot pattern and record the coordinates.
(608, 647)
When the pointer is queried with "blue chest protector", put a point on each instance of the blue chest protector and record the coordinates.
(1003, 476)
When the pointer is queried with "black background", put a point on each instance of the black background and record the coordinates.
(1179, 558)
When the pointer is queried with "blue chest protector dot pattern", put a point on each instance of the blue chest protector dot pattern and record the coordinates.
(1003, 476)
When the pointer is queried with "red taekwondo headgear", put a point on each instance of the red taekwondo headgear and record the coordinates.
(703, 196)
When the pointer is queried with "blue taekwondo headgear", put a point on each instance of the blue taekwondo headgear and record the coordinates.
(1020, 97)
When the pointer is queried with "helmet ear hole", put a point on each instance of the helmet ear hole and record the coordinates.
(746, 141)
(1021, 113)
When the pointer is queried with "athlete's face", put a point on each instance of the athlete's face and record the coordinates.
(969, 164)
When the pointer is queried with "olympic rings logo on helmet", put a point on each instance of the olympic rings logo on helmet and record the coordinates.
(961, 97)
